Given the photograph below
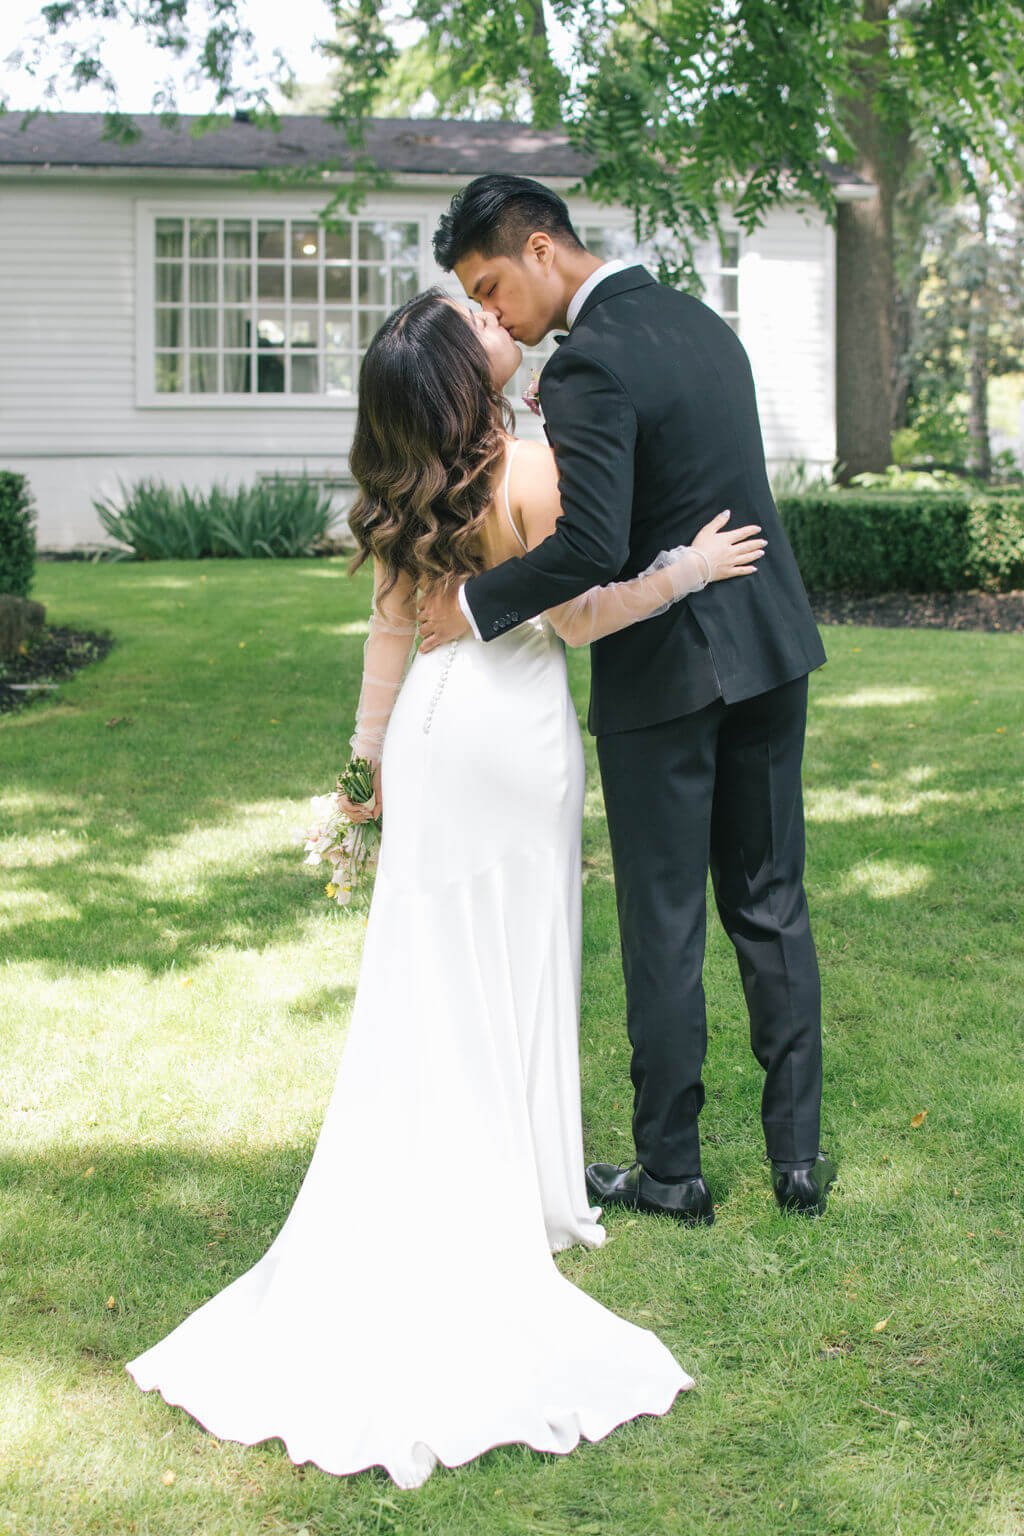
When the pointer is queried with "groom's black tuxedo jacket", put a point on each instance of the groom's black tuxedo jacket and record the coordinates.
(649, 405)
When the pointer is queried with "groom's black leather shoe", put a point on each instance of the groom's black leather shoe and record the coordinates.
(688, 1201)
(804, 1189)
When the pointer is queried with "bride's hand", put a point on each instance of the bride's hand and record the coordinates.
(729, 553)
(363, 812)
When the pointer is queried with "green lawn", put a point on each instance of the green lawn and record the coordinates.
(174, 989)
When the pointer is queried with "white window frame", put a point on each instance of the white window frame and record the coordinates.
(147, 397)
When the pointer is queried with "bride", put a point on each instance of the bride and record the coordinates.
(409, 1312)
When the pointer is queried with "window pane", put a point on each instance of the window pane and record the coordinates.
(304, 282)
(302, 328)
(305, 242)
(372, 242)
(270, 240)
(202, 283)
(730, 251)
(338, 284)
(168, 282)
(237, 238)
(270, 328)
(722, 292)
(270, 375)
(404, 242)
(237, 328)
(202, 328)
(372, 285)
(338, 328)
(168, 328)
(202, 237)
(370, 322)
(237, 373)
(405, 282)
(237, 282)
(167, 375)
(305, 375)
(340, 374)
(270, 282)
(203, 373)
(338, 243)
(169, 237)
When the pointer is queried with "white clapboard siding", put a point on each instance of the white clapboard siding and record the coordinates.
(74, 417)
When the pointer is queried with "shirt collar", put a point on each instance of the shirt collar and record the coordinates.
(587, 287)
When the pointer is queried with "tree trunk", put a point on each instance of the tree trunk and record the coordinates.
(865, 276)
(864, 299)
(978, 347)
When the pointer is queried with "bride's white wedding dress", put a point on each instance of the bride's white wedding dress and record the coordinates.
(409, 1312)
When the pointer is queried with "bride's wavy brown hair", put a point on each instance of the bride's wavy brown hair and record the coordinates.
(430, 427)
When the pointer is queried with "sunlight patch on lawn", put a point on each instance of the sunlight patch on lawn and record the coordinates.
(838, 805)
(259, 827)
(34, 903)
(869, 698)
(882, 879)
(42, 851)
(356, 627)
(239, 1045)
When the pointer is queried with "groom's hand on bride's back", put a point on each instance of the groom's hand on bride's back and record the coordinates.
(440, 617)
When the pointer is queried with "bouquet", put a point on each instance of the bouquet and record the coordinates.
(349, 847)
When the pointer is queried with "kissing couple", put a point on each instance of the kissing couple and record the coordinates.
(409, 1312)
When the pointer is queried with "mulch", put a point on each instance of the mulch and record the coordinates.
(989, 611)
(56, 654)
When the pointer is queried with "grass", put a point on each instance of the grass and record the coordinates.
(174, 989)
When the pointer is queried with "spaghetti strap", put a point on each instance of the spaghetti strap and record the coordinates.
(508, 504)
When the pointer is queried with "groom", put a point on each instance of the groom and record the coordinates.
(699, 714)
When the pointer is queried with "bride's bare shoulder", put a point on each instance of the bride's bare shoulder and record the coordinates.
(535, 467)
(534, 491)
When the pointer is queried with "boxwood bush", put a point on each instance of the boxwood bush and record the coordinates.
(869, 542)
(17, 534)
(271, 519)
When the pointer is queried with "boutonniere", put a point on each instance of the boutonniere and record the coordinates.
(531, 394)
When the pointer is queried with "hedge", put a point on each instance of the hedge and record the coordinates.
(868, 542)
(17, 534)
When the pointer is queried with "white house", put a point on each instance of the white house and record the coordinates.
(166, 316)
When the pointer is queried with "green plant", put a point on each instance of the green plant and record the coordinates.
(796, 478)
(898, 478)
(17, 534)
(926, 541)
(278, 517)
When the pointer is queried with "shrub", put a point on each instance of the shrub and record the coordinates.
(17, 534)
(271, 519)
(871, 542)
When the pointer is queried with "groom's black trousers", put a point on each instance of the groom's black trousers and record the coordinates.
(719, 789)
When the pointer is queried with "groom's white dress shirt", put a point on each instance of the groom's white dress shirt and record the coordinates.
(575, 304)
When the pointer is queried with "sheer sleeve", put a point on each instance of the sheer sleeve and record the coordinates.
(672, 575)
(389, 644)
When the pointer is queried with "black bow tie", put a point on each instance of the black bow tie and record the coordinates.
(559, 340)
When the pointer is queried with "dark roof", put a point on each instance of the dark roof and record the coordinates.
(423, 146)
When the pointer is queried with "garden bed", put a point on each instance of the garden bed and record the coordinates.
(56, 654)
(989, 611)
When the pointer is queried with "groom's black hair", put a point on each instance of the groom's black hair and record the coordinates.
(496, 215)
